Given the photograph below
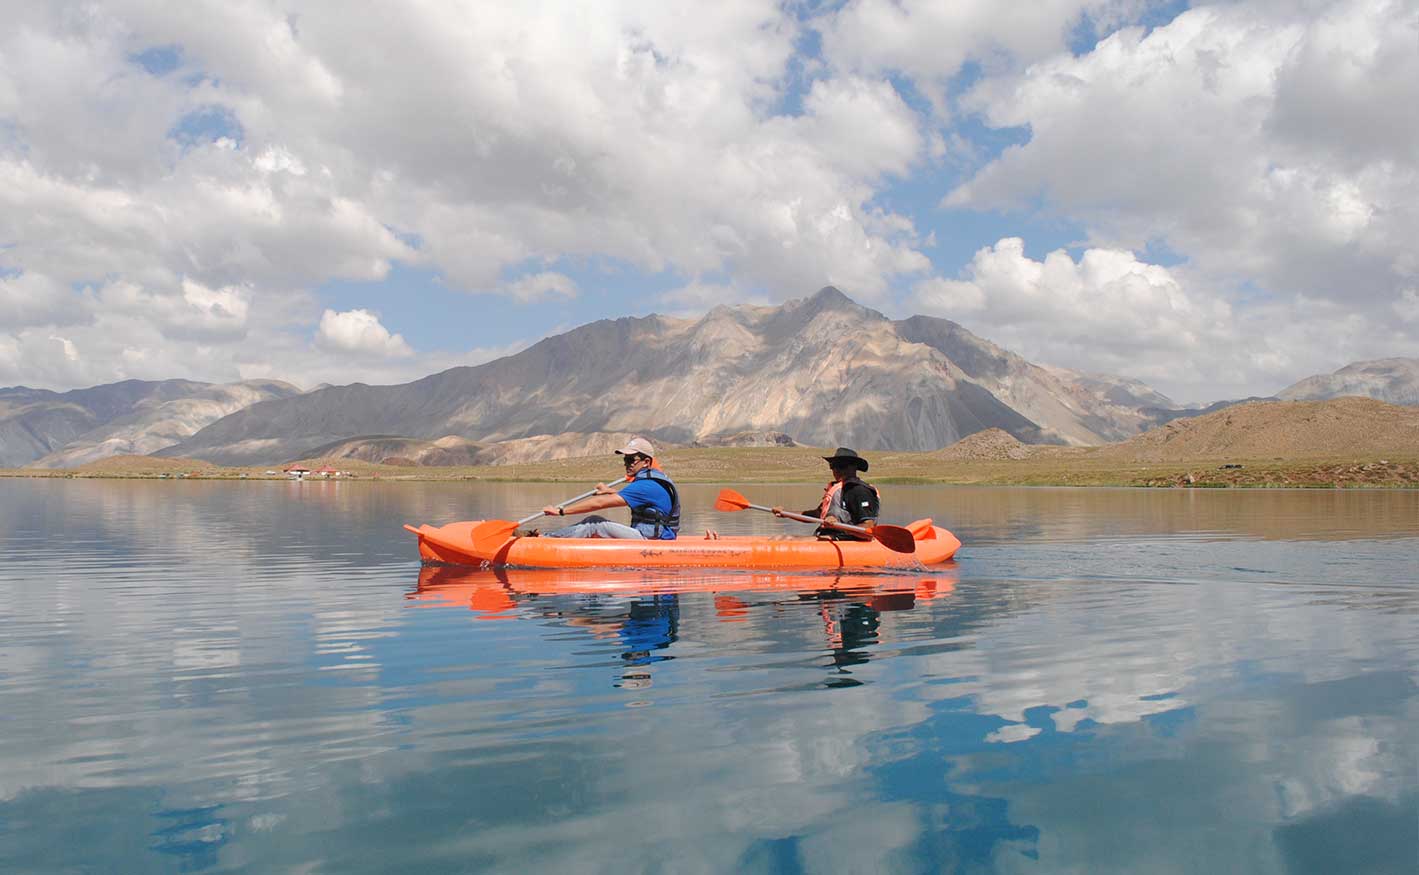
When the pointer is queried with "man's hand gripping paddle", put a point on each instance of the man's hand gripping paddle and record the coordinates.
(893, 538)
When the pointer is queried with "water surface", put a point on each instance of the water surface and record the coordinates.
(211, 677)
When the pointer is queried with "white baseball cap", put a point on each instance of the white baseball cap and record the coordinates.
(636, 445)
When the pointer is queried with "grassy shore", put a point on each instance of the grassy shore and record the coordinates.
(1073, 467)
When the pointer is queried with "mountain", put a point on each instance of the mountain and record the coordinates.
(67, 429)
(822, 369)
(1157, 416)
(452, 450)
(1395, 381)
(1069, 406)
(1290, 429)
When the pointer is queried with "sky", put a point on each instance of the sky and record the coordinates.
(1216, 199)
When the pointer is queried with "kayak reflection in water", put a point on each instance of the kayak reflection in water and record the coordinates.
(647, 625)
(651, 495)
(652, 625)
(849, 637)
(638, 613)
(851, 629)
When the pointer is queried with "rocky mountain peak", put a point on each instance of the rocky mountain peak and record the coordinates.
(822, 370)
(1394, 380)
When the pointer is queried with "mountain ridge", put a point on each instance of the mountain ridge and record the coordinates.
(823, 369)
(819, 370)
(1394, 380)
(65, 429)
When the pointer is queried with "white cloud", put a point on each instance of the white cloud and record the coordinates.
(863, 125)
(191, 312)
(542, 286)
(359, 332)
(1265, 143)
(697, 297)
(1109, 312)
(1107, 298)
(28, 299)
(930, 41)
(39, 359)
(1268, 144)
(1408, 305)
(272, 159)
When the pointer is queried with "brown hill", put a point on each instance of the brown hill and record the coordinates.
(992, 443)
(1351, 427)
(145, 465)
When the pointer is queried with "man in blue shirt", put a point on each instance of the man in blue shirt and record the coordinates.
(651, 496)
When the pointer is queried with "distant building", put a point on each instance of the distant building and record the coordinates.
(296, 472)
(327, 471)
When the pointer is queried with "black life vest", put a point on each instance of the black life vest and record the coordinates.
(662, 526)
(835, 502)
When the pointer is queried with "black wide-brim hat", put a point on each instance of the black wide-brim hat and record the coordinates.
(845, 454)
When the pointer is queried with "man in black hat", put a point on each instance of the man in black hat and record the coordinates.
(846, 499)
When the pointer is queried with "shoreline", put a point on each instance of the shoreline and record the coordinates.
(1089, 467)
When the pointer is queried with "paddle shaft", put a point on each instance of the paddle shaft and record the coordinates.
(804, 518)
(538, 515)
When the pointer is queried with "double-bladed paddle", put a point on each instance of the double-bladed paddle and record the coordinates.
(490, 534)
(893, 538)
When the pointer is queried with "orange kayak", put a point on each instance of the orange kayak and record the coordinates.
(453, 544)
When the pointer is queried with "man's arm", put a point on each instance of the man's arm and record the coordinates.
(812, 511)
(587, 505)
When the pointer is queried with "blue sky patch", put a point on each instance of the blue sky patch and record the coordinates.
(158, 60)
(206, 124)
(1087, 32)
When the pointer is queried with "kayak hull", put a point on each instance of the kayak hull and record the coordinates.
(453, 544)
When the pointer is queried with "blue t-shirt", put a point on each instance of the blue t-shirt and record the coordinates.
(642, 492)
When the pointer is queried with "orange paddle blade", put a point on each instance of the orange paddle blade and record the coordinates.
(729, 501)
(487, 535)
(894, 538)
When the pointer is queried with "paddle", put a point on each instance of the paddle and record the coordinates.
(893, 538)
(489, 534)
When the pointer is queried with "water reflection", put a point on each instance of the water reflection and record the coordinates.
(260, 677)
(642, 609)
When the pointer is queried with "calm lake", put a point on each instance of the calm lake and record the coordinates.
(260, 677)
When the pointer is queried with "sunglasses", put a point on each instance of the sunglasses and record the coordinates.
(632, 459)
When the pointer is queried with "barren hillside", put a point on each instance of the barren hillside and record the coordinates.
(1352, 427)
(993, 443)
(130, 465)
